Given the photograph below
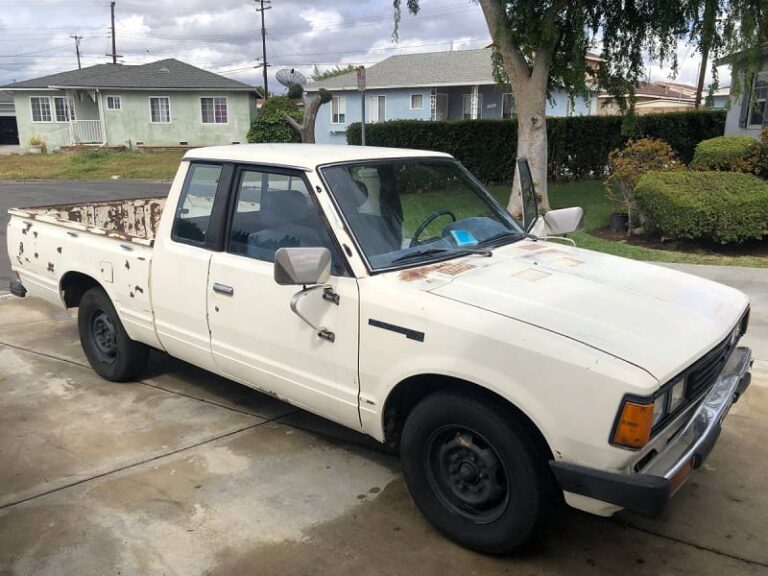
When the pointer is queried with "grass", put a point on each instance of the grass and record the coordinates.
(93, 165)
(589, 195)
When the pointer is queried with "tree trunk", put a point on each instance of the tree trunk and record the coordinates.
(306, 130)
(532, 145)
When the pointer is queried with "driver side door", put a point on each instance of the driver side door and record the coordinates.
(255, 337)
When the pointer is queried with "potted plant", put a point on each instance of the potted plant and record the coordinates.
(36, 144)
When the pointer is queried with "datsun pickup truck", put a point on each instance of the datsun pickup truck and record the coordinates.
(388, 291)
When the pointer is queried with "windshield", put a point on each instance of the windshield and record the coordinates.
(413, 211)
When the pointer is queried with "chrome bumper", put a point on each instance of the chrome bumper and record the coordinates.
(694, 442)
(648, 492)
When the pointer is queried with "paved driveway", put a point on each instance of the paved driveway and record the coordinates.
(187, 473)
(42, 193)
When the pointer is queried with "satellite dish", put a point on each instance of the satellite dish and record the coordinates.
(290, 77)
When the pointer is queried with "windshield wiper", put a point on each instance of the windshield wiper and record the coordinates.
(504, 235)
(430, 251)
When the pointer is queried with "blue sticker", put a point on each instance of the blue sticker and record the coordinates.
(463, 238)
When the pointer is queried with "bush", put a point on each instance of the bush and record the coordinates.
(270, 124)
(725, 207)
(578, 146)
(725, 153)
(626, 166)
(757, 159)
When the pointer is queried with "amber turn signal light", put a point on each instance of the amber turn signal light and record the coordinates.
(634, 427)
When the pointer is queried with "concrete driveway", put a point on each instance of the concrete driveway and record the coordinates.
(187, 473)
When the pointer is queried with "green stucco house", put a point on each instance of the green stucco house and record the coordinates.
(163, 103)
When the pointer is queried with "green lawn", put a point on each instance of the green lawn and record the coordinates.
(589, 195)
(96, 165)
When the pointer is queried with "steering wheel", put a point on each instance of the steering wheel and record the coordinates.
(427, 221)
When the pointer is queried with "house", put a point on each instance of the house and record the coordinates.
(748, 113)
(8, 132)
(163, 103)
(652, 98)
(428, 86)
(721, 96)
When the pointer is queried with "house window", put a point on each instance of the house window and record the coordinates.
(214, 110)
(507, 105)
(160, 109)
(114, 103)
(758, 112)
(417, 101)
(338, 110)
(468, 106)
(41, 108)
(377, 108)
(65, 110)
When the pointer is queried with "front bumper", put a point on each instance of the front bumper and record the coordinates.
(649, 491)
(17, 288)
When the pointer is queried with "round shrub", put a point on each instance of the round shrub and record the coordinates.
(726, 207)
(726, 153)
(270, 124)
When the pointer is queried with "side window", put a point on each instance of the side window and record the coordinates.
(196, 204)
(275, 211)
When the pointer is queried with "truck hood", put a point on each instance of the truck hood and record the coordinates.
(658, 319)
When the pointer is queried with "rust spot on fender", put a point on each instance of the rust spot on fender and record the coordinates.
(450, 268)
(127, 265)
(414, 274)
(139, 289)
(35, 254)
(50, 267)
(34, 233)
(21, 248)
(58, 249)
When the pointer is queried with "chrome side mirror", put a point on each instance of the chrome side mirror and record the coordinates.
(564, 220)
(302, 266)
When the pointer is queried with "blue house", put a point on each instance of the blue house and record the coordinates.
(431, 86)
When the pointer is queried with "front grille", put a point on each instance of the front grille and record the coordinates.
(705, 371)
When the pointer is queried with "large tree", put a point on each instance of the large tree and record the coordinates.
(539, 44)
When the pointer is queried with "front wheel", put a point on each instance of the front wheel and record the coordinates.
(474, 472)
(111, 353)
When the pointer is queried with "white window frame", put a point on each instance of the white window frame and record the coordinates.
(339, 100)
(119, 103)
(214, 98)
(373, 105)
(410, 102)
(512, 97)
(764, 99)
(170, 112)
(51, 114)
(69, 109)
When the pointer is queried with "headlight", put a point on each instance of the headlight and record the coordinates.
(676, 393)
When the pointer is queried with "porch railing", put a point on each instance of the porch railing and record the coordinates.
(76, 132)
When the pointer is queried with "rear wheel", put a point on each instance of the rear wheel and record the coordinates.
(474, 472)
(111, 353)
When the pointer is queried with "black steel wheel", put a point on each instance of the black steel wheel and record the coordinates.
(475, 472)
(109, 349)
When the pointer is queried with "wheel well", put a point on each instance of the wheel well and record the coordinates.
(72, 287)
(408, 393)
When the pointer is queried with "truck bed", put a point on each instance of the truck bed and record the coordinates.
(135, 220)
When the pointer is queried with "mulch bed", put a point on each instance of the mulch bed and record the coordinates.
(751, 248)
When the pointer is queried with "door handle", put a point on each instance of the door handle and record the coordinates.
(223, 289)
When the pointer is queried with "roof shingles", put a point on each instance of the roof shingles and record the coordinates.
(163, 74)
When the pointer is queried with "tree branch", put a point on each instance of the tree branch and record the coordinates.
(542, 62)
(512, 56)
(295, 125)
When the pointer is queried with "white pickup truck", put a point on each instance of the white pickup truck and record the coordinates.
(388, 291)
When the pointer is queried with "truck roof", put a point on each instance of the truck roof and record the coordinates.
(304, 156)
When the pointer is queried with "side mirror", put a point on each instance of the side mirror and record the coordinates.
(302, 266)
(528, 193)
(564, 220)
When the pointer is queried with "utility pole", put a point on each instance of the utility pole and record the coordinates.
(264, 42)
(77, 48)
(114, 46)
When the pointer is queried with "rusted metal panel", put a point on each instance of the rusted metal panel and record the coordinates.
(135, 220)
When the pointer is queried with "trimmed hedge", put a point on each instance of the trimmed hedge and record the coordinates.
(726, 153)
(578, 146)
(726, 207)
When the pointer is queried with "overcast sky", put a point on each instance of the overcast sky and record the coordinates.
(225, 36)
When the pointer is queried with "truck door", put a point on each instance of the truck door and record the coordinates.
(255, 336)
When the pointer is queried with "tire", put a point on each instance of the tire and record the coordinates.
(475, 473)
(111, 353)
